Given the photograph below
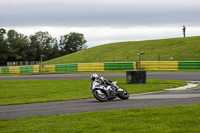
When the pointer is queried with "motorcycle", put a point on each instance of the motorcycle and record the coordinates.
(105, 92)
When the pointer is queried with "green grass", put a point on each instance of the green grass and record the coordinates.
(20, 92)
(181, 119)
(127, 51)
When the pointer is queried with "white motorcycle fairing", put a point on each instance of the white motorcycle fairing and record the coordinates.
(107, 92)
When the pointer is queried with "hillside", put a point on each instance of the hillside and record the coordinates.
(179, 48)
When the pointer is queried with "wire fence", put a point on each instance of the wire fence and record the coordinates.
(188, 57)
(23, 63)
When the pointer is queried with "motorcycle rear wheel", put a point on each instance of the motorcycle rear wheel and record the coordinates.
(101, 97)
(123, 95)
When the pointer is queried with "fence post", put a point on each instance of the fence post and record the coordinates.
(127, 58)
(158, 57)
(100, 59)
(185, 57)
(139, 67)
(113, 59)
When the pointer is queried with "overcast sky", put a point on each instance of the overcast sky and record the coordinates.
(103, 21)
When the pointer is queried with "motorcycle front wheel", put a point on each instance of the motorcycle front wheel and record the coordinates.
(124, 95)
(102, 97)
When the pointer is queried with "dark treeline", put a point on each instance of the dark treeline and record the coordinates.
(15, 46)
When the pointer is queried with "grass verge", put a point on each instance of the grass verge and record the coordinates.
(181, 119)
(20, 92)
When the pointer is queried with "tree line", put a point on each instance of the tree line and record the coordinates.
(15, 46)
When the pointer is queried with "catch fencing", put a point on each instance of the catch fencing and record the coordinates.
(134, 58)
(23, 63)
(128, 58)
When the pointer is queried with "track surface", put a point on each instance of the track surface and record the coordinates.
(186, 76)
(168, 98)
(91, 105)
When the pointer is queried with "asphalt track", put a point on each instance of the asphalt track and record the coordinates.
(185, 76)
(167, 98)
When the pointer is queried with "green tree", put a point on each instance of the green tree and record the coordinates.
(3, 47)
(55, 50)
(17, 46)
(41, 44)
(72, 42)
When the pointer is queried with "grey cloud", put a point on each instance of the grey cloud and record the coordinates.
(87, 13)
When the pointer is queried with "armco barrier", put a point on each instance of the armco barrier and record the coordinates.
(26, 69)
(4, 70)
(20, 69)
(90, 67)
(49, 68)
(66, 68)
(36, 68)
(120, 66)
(189, 65)
(159, 65)
(14, 69)
(71, 67)
(145, 65)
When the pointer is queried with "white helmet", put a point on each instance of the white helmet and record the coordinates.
(94, 76)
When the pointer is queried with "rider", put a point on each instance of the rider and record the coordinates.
(105, 81)
(100, 81)
(94, 78)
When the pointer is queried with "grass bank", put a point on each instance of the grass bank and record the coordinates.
(182, 119)
(179, 48)
(20, 92)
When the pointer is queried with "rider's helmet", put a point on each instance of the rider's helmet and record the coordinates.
(94, 76)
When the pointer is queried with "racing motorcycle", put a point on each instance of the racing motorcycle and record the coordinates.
(105, 92)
